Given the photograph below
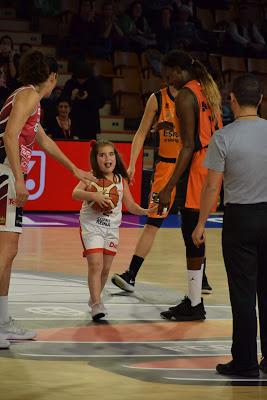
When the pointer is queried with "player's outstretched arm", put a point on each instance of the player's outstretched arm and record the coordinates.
(142, 132)
(51, 148)
(131, 205)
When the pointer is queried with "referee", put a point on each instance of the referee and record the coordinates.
(239, 153)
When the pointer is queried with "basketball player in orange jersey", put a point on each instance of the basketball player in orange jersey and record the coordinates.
(198, 107)
(19, 128)
(160, 105)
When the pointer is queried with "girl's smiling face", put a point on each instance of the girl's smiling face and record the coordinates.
(106, 159)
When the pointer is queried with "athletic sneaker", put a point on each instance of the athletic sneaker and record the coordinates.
(206, 288)
(4, 344)
(263, 365)
(90, 306)
(98, 311)
(11, 331)
(124, 281)
(185, 312)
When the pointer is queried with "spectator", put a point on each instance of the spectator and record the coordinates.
(23, 49)
(152, 10)
(48, 7)
(135, 26)
(49, 107)
(165, 31)
(244, 37)
(82, 32)
(86, 94)
(110, 33)
(8, 71)
(60, 127)
(187, 36)
(264, 25)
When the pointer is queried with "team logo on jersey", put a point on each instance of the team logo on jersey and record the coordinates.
(35, 182)
(103, 221)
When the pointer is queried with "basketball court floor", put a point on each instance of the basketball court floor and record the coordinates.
(133, 354)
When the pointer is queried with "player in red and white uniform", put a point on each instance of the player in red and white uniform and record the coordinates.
(100, 230)
(10, 215)
(19, 128)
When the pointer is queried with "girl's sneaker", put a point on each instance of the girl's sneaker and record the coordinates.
(98, 311)
(4, 344)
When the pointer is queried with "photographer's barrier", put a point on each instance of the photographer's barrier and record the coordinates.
(50, 184)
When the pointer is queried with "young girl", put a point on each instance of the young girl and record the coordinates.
(99, 230)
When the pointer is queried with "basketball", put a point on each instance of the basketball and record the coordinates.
(109, 189)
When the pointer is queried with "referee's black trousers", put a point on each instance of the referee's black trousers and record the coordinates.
(244, 243)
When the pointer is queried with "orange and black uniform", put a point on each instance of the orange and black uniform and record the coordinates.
(191, 182)
(168, 149)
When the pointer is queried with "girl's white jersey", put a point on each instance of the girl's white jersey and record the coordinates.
(112, 220)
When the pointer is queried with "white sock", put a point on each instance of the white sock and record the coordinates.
(194, 285)
(3, 309)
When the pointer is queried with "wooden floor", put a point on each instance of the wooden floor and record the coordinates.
(54, 250)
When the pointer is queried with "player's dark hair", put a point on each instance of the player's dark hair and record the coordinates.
(35, 67)
(247, 90)
(178, 58)
(119, 170)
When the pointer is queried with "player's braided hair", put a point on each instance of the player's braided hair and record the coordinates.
(177, 58)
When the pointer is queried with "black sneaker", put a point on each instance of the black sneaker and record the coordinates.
(230, 369)
(124, 281)
(206, 288)
(185, 312)
(263, 365)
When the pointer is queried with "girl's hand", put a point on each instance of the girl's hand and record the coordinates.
(101, 199)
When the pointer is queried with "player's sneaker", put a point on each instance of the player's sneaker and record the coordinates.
(263, 365)
(11, 331)
(98, 311)
(124, 281)
(206, 288)
(4, 344)
(185, 312)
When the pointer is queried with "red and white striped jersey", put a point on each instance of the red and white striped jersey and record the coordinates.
(26, 135)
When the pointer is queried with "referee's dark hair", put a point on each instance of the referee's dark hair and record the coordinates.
(247, 90)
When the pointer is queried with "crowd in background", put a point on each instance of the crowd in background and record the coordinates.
(92, 31)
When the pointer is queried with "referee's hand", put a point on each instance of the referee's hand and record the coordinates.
(198, 236)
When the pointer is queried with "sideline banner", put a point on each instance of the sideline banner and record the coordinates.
(50, 185)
